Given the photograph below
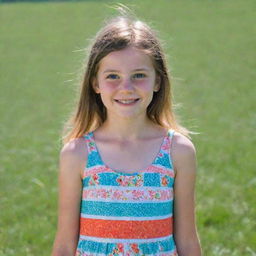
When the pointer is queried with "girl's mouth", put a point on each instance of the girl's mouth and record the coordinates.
(127, 101)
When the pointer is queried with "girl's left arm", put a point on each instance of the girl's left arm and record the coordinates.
(184, 160)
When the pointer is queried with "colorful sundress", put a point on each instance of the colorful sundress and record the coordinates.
(128, 214)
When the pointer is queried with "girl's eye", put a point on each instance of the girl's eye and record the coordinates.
(139, 75)
(112, 76)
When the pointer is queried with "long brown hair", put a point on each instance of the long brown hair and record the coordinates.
(119, 33)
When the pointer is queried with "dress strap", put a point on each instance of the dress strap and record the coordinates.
(89, 142)
(94, 158)
(171, 133)
(170, 137)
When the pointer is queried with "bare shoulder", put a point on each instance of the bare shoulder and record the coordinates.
(74, 154)
(183, 153)
(74, 148)
(182, 145)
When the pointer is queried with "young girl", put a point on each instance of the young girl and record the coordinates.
(127, 169)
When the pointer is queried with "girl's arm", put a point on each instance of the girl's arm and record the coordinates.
(184, 161)
(70, 168)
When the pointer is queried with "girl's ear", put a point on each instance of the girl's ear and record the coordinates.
(95, 85)
(157, 84)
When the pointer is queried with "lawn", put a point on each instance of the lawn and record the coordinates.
(211, 54)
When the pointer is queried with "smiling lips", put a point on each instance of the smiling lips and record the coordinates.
(127, 101)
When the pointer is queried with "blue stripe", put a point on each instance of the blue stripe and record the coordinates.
(93, 159)
(154, 247)
(127, 209)
(95, 247)
(86, 182)
(108, 179)
(152, 179)
(163, 161)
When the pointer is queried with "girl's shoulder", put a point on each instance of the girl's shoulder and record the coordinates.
(75, 147)
(74, 154)
(181, 143)
(183, 151)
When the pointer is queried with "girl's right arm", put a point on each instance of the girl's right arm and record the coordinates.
(71, 163)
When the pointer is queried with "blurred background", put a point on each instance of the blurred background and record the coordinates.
(210, 47)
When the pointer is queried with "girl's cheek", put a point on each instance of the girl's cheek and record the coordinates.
(110, 85)
(144, 84)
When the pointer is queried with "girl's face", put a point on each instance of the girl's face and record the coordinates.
(126, 80)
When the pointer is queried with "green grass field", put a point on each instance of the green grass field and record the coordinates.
(211, 52)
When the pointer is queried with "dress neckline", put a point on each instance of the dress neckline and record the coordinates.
(128, 173)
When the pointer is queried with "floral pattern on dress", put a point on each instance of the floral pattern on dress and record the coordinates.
(119, 248)
(165, 180)
(126, 181)
(94, 179)
(118, 251)
(92, 146)
(164, 149)
(166, 146)
(90, 142)
(135, 195)
(134, 250)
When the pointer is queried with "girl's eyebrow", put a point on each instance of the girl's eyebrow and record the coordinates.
(114, 70)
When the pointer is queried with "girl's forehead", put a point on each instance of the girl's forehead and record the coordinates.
(130, 58)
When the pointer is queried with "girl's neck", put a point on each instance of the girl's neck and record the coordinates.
(127, 129)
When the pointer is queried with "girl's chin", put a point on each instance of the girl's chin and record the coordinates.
(128, 115)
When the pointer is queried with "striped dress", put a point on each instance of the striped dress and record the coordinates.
(128, 214)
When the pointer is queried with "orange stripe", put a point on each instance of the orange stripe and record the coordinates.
(126, 228)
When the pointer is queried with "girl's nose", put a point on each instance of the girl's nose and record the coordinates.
(127, 84)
